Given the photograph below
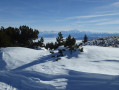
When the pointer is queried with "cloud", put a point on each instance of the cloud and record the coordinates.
(115, 4)
(88, 0)
(92, 21)
(66, 27)
(88, 16)
(111, 7)
(111, 22)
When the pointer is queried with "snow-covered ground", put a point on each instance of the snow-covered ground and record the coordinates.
(49, 40)
(97, 68)
(4, 86)
(112, 41)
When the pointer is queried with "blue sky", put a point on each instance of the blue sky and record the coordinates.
(59, 15)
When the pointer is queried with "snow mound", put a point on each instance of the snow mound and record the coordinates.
(17, 56)
(94, 59)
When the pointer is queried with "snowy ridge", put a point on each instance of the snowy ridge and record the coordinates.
(17, 56)
(97, 68)
(112, 41)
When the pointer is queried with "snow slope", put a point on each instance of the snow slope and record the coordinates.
(4, 86)
(17, 56)
(97, 68)
(102, 60)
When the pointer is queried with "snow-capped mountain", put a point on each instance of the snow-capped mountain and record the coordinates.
(76, 33)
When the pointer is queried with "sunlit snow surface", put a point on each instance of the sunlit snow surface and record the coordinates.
(4, 86)
(97, 68)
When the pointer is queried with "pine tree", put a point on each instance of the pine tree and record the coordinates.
(70, 42)
(27, 35)
(22, 36)
(41, 42)
(49, 46)
(60, 52)
(59, 39)
(85, 38)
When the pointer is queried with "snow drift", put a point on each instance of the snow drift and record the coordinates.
(37, 69)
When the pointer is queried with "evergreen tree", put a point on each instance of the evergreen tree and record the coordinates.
(13, 34)
(60, 52)
(81, 50)
(22, 36)
(4, 39)
(85, 38)
(41, 42)
(59, 39)
(27, 35)
(55, 45)
(49, 46)
(70, 41)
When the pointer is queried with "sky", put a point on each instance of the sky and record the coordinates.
(61, 15)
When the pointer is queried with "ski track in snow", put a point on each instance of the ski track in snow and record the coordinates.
(43, 73)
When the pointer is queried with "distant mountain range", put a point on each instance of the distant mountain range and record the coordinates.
(76, 33)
